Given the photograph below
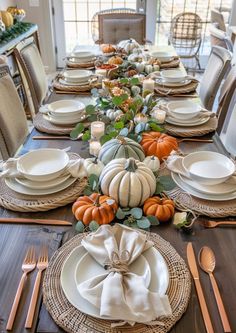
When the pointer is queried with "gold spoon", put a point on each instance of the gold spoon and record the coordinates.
(207, 262)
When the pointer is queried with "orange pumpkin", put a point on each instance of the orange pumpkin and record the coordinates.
(158, 144)
(115, 60)
(108, 48)
(162, 208)
(94, 207)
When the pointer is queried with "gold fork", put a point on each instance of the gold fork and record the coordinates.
(28, 265)
(42, 264)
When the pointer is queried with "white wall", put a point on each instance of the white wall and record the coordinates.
(4, 4)
(41, 15)
(151, 12)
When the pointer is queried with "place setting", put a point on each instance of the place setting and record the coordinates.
(41, 179)
(205, 183)
(81, 273)
(81, 59)
(166, 59)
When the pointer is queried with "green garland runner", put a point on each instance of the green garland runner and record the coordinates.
(14, 31)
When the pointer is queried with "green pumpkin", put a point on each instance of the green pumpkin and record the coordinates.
(121, 148)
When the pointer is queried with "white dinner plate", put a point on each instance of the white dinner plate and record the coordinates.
(189, 189)
(187, 123)
(63, 121)
(66, 107)
(77, 75)
(159, 278)
(70, 83)
(19, 188)
(42, 185)
(162, 82)
(222, 188)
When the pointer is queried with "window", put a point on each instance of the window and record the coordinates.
(78, 15)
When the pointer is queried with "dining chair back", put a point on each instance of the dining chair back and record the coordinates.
(13, 123)
(116, 26)
(228, 134)
(217, 66)
(31, 65)
(217, 18)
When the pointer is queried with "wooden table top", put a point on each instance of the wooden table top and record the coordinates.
(15, 239)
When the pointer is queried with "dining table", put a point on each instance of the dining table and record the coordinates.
(16, 238)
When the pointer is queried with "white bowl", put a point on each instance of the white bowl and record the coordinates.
(66, 108)
(209, 168)
(43, 164)
(184, 109)
(77, 75)
(83, 55)
(162, 56)
(173, 75)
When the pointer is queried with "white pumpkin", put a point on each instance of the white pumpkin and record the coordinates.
(113, 114)
(140, 66)
(152, 162)
(93, 166)
(129, 45)
(148, 69)
(156, 68)
(128, 181)
(119, 148)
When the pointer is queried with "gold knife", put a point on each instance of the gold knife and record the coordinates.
(33, 221)
(194, 271)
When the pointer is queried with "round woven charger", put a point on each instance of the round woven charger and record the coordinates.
(43, 125)
(74, 321)
(161, 90)
(12, 200)
(89, 65)
(74, 89)
(171, 64)
(200, 130)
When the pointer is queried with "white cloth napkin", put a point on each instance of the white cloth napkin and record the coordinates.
(75, 168)
(174, 164)
(121, 295)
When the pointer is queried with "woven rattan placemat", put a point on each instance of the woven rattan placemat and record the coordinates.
(43, 125)
(89, 65)
(25, 203)
(171, 64)
(74, 89)
(74, 321)
(200, 130)
(161, 90)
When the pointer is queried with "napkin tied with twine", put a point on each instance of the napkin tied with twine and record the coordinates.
(120, 294)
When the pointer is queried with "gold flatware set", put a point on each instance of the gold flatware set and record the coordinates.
(28, 265)
(206, 260)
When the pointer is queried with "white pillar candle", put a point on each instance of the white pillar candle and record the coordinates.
(101, 74)
(97, 129)
(159, 115)
(148, 84)
(94, 147)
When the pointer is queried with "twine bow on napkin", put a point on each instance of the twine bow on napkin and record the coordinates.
(120, 294)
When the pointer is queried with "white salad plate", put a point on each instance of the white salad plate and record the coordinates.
(43, 164)
(66, 107)
(218, 189)
(77, 75)
(159, 278)
(208, 167)
(42, 185)
(184, 110)
(192, 191)
(15, 186)
(164, 83)
(87, 268)
(58, 121)
(173, 75)
(188, 123)
(71, 83)
(82, 55)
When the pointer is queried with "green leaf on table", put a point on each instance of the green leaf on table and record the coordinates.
(76, 131)
(159, 188)
(105, 119)
(153, 220)
(92, 117)
(117, 100)
(86, 136)
(155, 127)
(119, 125)
(126, 222)
(167, 183)
(93, 181)
(147, 127)
(93, 226)
(124, 80)
(120, 214)
(79, 227)
(90, 109)
(124, 97)
(136, 212)
(87, 191)
(124, 132)
(134, 81)
(143, 223)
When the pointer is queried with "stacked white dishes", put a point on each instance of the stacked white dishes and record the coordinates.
(172, 78)
(162, 56)
(76, 77)
(185, 113)
(82, 57)
(80, 266)
(41, 172)
(65, 112)
(207, 175)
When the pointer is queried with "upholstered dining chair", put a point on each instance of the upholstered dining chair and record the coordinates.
(13, 123)
(216, 68)
(31, 66)
(116, 26)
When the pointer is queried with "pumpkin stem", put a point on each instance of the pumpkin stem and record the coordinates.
(96, 202)
(121, 139)
(131, 165)
(96, 160)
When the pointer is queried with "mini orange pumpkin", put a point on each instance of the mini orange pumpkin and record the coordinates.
(115, 60)
(94, 207)
(158, 144)
(162, 208)
(108, 48)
